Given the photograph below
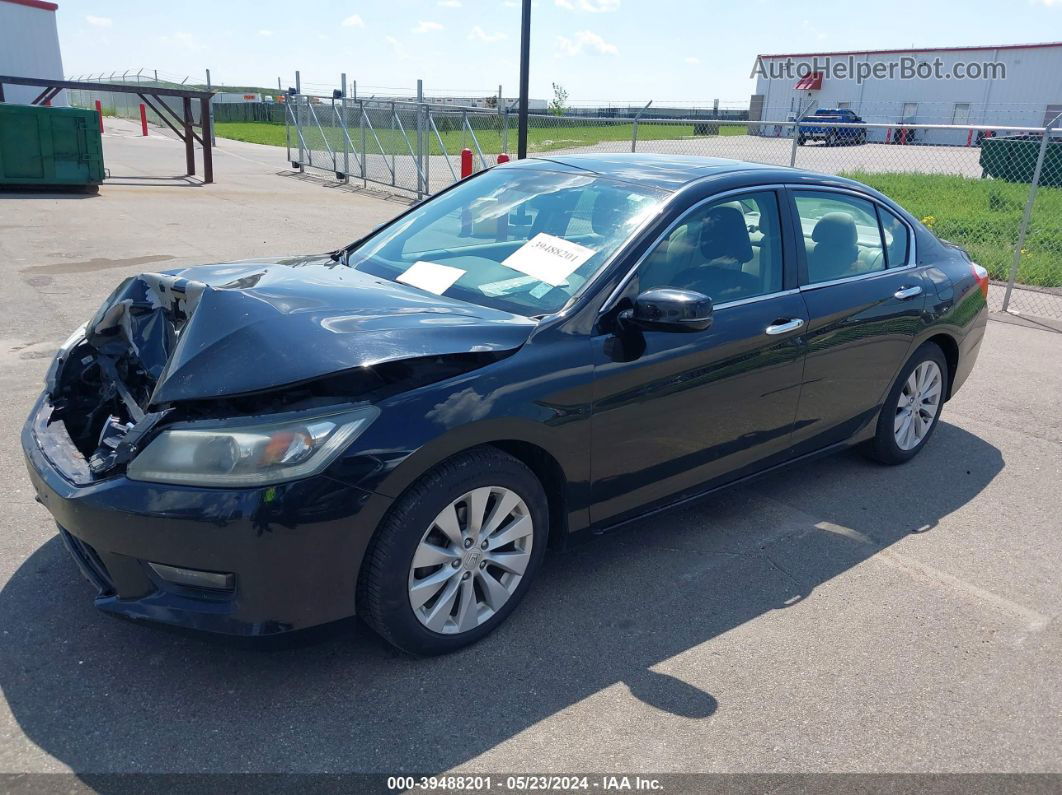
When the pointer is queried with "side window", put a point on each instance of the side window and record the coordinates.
(841, 237)
(896, 242)
(727, 250)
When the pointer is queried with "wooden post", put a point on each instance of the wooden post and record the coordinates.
(189, 139)
(208, 149)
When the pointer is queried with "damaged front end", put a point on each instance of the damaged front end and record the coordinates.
(167, 351)
(101, 381)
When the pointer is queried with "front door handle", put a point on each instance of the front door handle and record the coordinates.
(784, 326)
(907, 292)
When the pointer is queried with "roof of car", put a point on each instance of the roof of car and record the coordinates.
(660, 171)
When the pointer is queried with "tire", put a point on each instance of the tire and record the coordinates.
(388, 584)
(902, 424)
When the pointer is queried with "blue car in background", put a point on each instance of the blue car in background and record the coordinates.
(825, 130)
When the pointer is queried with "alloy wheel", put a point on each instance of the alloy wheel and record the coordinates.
(918, 405)
(470, 560)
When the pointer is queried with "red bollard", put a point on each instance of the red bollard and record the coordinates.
(143, 120)
(466, 163)
(503, 158)
(99, 113)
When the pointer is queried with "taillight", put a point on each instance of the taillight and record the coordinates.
(981, 274)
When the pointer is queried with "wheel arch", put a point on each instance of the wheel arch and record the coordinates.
(551, 475)
(557, 463)
(950, 349)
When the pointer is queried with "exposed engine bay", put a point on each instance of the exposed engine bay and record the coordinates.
(108, 386)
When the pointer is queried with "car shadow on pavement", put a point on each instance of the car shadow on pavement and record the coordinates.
(106, 696)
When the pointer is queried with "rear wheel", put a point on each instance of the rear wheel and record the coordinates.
(912, 408)
(455, 554)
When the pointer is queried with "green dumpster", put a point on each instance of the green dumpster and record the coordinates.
(49, 146)
(1014, 158)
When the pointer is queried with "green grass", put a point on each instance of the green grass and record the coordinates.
(539, 139)
(983, 216)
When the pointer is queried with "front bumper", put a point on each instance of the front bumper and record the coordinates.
(294, 549)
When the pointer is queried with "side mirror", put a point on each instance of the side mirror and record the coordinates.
(670, 310)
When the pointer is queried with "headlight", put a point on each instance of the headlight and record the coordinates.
(232, 454)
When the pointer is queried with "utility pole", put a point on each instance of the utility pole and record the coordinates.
(525, 61)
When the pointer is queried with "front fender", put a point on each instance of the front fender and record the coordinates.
(539, 396)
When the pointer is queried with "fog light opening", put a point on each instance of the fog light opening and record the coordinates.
(194, 578)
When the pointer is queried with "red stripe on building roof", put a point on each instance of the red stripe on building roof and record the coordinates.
(912, 50)
(41, 4)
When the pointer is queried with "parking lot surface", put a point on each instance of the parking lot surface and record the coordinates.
(840, 616)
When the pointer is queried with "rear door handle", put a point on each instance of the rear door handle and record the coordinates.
(907, 292)
(784, 326)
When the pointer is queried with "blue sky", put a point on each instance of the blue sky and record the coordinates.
(600, 50)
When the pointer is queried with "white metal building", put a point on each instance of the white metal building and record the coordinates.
(29, 47)
(1009, 85)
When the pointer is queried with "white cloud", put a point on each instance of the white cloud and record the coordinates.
(1047, 3)
(396, 46)
(265, 33)
(353, 21)
(186, 40)
(587, 42)
(478, 34)
(511, 3)
(593, 6)
(427, 26)
(811, 30)
(99, 22)
(693, 60)
(449, 3)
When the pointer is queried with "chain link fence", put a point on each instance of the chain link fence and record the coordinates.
(127, 106)
(997, 192)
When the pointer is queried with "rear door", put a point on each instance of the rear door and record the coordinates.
(865, 297)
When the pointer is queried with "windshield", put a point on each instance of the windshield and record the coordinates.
(519, 239)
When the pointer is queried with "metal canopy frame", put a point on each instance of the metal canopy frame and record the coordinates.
(183, 125)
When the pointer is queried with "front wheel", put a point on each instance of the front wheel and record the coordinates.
(912, 408)
(455, 554)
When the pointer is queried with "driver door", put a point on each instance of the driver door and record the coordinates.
(675, 410)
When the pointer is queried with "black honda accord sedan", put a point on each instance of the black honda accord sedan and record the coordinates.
(400, 428)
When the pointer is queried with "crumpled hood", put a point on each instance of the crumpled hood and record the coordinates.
(221, 330)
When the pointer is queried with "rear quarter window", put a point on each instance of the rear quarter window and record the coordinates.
(897, 238)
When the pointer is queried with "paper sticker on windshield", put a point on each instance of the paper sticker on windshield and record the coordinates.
(430, 276)
(549, 259)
